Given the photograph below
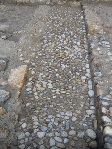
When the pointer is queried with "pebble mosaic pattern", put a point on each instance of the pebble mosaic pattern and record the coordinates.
(60, 104)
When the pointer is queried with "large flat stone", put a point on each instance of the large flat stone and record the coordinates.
(17, 78)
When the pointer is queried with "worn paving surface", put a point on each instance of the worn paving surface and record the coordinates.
(55, 111)
(58, 105)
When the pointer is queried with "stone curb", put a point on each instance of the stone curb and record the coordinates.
(51, 2)
(103, 102)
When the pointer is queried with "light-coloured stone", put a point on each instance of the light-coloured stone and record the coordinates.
(64, 134)
(4, 134)
(52, 142)
(81, 134)
(104, 110)
(4, 95)
(24, 125)
(17, 78)
(91, 133)
(94, 23)
(40, 134)
(2, 111)
(106, 119)
(74, 4)
(66, 140)
(107, 131)
(72, 133)
(22, 146)
(91, 93)
(3, 82)
(110, 110)
(58, 139)
(74, 119)
(21, 136)
(42, 147)
(89, 112)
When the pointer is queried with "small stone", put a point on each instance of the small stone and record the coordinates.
(110, 110)
(91, 133)
(4, 134)
(52, 142)
(60, 145)
(104, 110)
(97, 74)
(24, 125)
(107, 131)
(3, 82)
(4, 95)
(80, 134)
(106, 119)
(57, 133)
(93, 144)
(17, 78)
(2, 111)
(91, 93)
(69, 113)
(66, 140)
(74, 119)
(3, 65)
(54, 147)
(27, 134)
(75, 138)
(40, 134)
(58, 139)
(83, 77)
(21, 136)
(72, 133)
(22, 146)
(89, 112)
(42, 147)
(64, 134)
(50, 134)
(43, 128)
(72, 143)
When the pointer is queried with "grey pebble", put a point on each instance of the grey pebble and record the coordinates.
(4, 95)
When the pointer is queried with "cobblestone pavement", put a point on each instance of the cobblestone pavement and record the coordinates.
(59, 108)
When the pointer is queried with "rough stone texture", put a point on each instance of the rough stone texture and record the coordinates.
(3, 134)
(3, 65)
(110, 110)
(94, 23)
(60, 145)
(2, 111)
(40, 134)
(93, 144)
(4, 95)
(108, 146)
(57, 98)
(91, 133)
(17, 78)
(108, 131)
(3, 82)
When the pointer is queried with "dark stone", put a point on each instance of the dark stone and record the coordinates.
(108, 139)
(108, 146)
